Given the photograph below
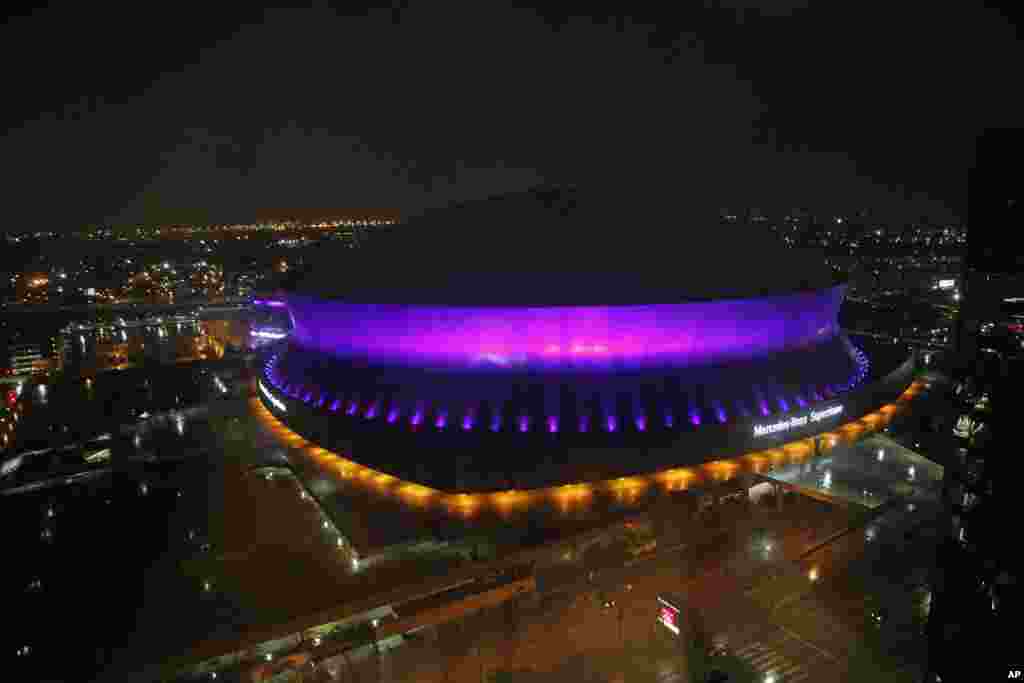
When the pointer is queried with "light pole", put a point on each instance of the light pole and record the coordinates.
(622, 637)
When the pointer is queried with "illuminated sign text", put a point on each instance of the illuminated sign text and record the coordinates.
(797, 421)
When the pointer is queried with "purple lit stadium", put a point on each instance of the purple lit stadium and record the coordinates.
(463, 362)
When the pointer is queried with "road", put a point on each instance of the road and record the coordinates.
(573, 634)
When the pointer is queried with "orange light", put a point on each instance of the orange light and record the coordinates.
(625, 488)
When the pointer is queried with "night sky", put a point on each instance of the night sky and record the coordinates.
(154, 116)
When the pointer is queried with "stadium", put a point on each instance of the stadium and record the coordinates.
(508, 345)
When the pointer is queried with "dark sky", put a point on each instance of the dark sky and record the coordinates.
(169, 117)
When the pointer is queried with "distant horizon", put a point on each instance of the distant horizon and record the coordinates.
(400, 218)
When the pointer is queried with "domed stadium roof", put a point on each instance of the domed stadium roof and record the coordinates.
(561, 246)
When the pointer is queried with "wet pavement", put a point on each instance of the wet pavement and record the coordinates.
(870, 472)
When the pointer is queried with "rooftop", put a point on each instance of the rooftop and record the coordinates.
(564, 246)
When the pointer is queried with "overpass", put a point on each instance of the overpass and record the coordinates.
(435, 610)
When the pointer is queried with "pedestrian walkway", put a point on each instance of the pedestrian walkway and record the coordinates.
(775, 666)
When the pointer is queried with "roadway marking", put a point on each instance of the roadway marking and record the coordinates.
(828, 655)
(766, 659)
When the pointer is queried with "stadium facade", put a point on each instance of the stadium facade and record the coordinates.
(546, 367)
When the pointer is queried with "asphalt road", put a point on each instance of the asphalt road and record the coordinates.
(572, 633)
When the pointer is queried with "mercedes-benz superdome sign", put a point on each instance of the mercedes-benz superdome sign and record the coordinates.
(797, 421)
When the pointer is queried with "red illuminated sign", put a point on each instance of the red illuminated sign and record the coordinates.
(670, 618)
(668, 615)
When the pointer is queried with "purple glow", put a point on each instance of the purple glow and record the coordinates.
(417, 418)
(468, 420)
(694, 417)
(392, 415)
(524, 423)
(742, 408)
(269, 302)
(352, 407)
(335, 404)
(584, 423)
(442, 419)
(611, 423)
(552, 423)
(783, 405)
(800, 401)
(322, 401)
(371, 412)
(670, 419)
(496, 423)
(763, 406)
(641, 423)
(268, 334)
(561, 337)
(720, 412)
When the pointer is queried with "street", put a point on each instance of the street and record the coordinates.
(569, 633)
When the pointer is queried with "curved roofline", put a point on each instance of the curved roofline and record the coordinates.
(837, 281)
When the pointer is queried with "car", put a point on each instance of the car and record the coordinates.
(718, 650)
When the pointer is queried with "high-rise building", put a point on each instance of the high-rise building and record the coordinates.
(24, 359)
(976, 582)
